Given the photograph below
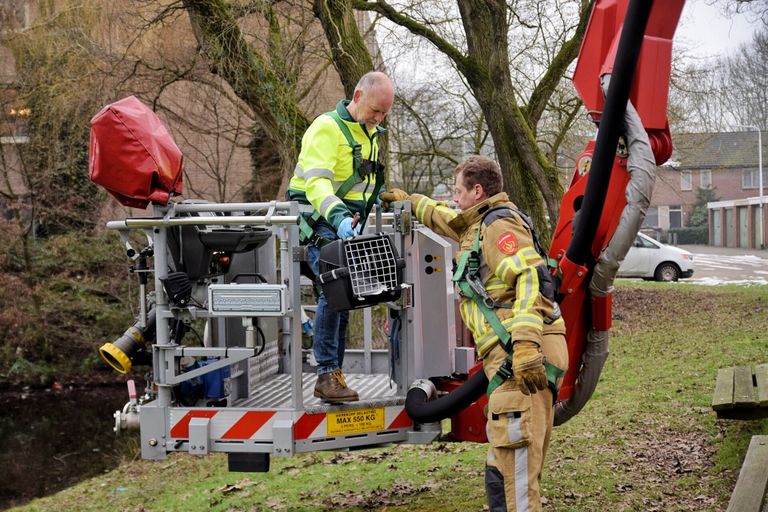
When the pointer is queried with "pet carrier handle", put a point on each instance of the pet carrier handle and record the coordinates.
(332, 275)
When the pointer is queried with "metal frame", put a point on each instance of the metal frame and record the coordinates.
(281, 417)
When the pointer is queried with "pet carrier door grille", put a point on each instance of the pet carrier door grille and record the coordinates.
(372, 266)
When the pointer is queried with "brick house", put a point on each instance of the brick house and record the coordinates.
(726, 162)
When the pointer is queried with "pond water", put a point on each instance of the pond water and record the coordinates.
(50, 440)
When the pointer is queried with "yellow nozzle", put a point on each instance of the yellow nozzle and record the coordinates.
(131, 343)
(115, 358)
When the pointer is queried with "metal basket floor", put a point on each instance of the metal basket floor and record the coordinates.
(275, 392)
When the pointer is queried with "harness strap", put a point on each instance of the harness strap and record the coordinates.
(307, 233)
(357, 165)
(465, 275)
(307, 225)
(357, 156)
(505, 372)
(502, 374)
(553, 373)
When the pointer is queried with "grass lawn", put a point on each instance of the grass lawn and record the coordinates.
(647, 441)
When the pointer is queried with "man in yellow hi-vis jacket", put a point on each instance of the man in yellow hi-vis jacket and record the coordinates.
(507, 302)
(339, 174)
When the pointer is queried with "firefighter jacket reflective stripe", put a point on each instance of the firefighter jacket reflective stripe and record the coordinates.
(326, 162)
(508, 262)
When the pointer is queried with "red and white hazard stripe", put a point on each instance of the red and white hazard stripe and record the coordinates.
(233, 424)
(228, 424)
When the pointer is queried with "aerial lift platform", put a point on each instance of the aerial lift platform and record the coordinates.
(244, 386)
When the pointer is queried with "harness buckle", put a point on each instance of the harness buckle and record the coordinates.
(318, 241)
(505, 370)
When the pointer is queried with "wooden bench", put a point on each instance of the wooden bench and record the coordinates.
(740, 393)
(750, 490)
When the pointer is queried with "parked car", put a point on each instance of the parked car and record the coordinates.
(650, 259)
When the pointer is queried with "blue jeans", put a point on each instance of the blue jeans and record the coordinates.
(330, 327)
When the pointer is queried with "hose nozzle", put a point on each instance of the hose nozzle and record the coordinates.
(120, 353)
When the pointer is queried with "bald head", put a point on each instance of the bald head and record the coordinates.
(372, 99)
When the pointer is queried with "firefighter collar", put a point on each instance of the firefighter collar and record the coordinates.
(469, 217)
(341, 110)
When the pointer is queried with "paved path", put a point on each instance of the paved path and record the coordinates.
(720, 265)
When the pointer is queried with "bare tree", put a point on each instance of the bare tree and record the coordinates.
(433, 126)
(746, 72)
(697, 100)
(57, 83)
(718, 94)
(758, 9)
(268, 92)
(512, 57)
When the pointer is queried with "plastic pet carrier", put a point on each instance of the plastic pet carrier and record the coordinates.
(360, 272)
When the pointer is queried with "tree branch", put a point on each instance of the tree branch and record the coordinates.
(548, 83)
(416, 28)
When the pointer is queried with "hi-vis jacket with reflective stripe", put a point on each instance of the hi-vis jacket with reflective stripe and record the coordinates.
(325, 162)
(508, 262)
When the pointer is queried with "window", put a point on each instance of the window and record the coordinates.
(14, 126)
(642, 242)
(14, 15)
(751, 179)
(705, 178)
(686, 181)
(675, 216)
(651, 217)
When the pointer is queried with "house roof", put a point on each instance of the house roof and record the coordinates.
(716, 150)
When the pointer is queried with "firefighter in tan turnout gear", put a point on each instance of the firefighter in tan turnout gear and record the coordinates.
(507, 301)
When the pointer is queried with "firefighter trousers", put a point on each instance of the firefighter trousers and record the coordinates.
(519, 428)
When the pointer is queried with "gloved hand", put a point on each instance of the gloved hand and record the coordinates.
(392, 195)
(346, 230)
(528, 367)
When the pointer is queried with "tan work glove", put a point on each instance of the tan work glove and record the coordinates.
(528, 367)
(392, 195)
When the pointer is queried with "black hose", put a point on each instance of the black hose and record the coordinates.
(611, 121)
(423, 411)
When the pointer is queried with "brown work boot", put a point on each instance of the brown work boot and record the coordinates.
(332, 387)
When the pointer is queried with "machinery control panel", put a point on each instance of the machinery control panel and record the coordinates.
(247, 299)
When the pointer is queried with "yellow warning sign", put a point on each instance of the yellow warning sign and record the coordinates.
(351, 422)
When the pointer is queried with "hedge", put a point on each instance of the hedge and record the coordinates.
(689, 236)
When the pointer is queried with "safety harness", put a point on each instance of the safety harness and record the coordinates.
(361, 169)
(466, 276)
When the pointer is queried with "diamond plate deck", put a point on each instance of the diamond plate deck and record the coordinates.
(275, 392)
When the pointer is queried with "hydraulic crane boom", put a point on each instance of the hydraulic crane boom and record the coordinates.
(631, 42)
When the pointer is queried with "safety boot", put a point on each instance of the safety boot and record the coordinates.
(332, 387)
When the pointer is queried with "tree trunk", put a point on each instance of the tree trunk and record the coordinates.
(351, 57)
(525, 169)
(528, 177)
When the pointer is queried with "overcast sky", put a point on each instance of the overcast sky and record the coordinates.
(707, 31)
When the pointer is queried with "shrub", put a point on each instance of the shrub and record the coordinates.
(687, 236)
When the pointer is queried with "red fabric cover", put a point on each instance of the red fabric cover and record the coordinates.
(133, 156)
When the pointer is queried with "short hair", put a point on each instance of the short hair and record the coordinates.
(477, 169)
(372, 80)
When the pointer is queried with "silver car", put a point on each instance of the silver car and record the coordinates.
(650, 259)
